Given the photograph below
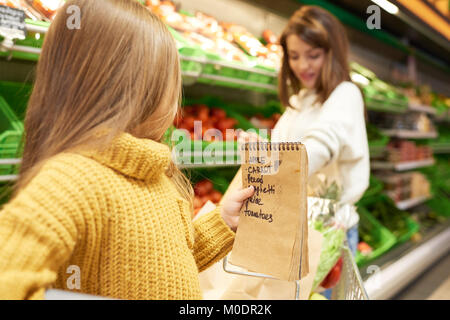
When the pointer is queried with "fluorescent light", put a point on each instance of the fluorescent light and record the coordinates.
(386, 5)
(356, 77)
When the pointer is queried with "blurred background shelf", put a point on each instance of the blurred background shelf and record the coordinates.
(401, 166)
(410, 134)
(410, 203)
(422, 108)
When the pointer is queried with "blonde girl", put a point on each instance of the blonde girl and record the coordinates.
(99, 206)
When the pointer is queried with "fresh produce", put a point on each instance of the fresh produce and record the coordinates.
(394, 219)
(403, 151)
(35, 9)
(230, 41)
(204, 191)
(333, 239)
(364, 248)
(333, 276)
(373, 133)
(403, 186)
(47, 7)
(439, 177)
(211, 118)
(317, 296)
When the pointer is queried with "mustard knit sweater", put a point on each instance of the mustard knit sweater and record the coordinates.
(111, 223)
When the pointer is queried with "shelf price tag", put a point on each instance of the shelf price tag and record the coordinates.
(12, 25)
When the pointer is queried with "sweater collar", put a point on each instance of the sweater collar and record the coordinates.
(137, 158)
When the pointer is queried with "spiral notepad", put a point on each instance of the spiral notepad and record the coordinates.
(272, 233)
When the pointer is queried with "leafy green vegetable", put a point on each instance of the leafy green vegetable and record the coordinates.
(331, 250)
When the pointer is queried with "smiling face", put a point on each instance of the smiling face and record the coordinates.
(305, 60)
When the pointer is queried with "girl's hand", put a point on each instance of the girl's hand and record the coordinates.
(233, 204)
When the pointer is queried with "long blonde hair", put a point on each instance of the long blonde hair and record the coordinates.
(120, 69)
(321, 29)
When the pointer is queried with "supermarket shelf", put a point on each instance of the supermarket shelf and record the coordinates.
(199, 75)
(384, 107)
(441, 148)
(11, 177)
(422, 108)
(410, 203)
(10, 161)
(401, 166)
(392, 272)
(201, 60)
(410, 134)
(206, 165)
(230, 80)
(207, 161)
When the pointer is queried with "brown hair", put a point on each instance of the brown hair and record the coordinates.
(118, 71)
(321, 29)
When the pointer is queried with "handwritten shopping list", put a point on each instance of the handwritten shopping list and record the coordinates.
(270, 228)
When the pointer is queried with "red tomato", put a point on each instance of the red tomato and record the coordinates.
(216, 196)
(202, 188)
(333, 276)
(205, 199)
(364, 248)
(227, 123)
(188, 110)
(218, 113)
(189, 121)
(203, 114)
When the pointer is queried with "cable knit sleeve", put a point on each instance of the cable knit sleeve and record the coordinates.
(213, 239)
(38, 232)
(339, 131)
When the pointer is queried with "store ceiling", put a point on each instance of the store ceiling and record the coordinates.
(406, 26)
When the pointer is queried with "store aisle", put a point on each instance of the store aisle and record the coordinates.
(433, 284)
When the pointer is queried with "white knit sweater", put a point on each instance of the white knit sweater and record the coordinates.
(334, 135)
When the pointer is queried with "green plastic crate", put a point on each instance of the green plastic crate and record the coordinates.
(8, 153)
(8, 120)
(384, 238)
(5, 193)
(16, 95)
(413, 227)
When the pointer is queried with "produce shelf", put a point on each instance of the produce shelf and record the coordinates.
(401, 166)
(199, 75)
(422, 108)
(10, 161)
(410, 134)
(410, 203)
(389, 274)
(384, 106)
(11, 177)
(441, 148)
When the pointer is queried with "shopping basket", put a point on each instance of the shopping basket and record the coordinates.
(349, 287)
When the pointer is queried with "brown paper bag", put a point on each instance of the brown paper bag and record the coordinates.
(272, 233)
(216, 284)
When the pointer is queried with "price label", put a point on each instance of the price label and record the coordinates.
(12, 23)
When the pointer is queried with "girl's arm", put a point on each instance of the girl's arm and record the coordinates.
(38, 232)
(214, 231)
